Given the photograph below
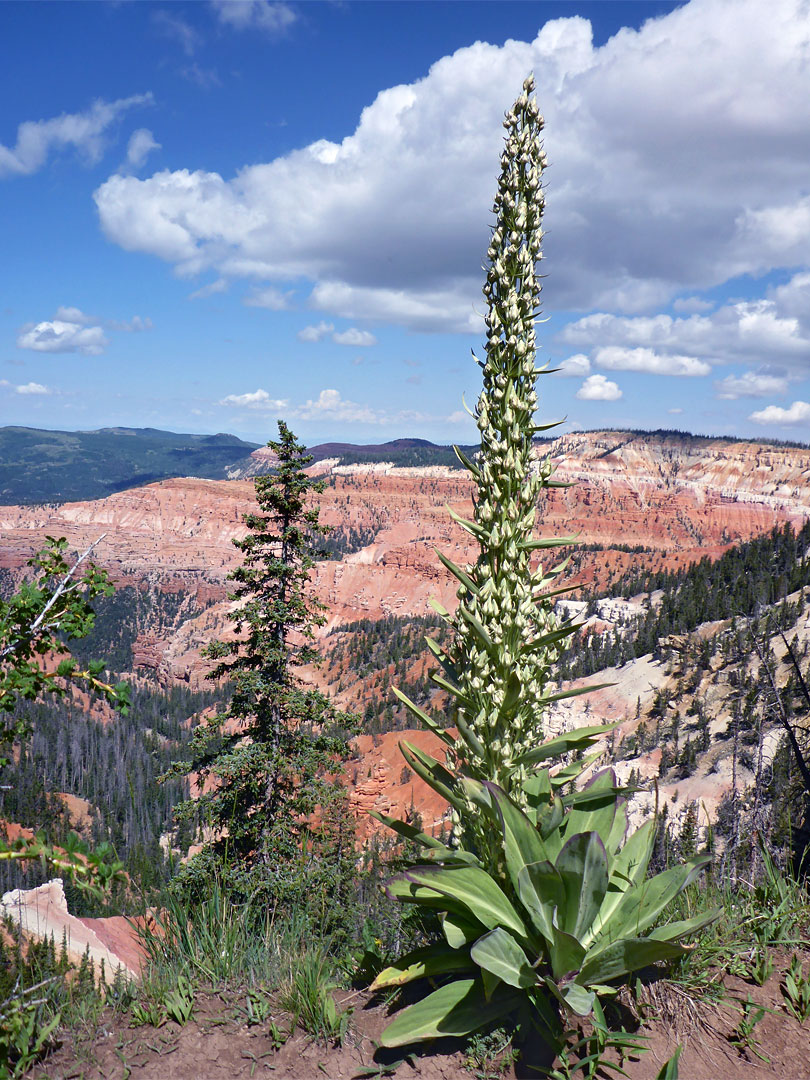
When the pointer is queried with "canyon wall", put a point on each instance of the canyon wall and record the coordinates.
(677, 497)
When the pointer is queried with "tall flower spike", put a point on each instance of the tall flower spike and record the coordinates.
(505, 639)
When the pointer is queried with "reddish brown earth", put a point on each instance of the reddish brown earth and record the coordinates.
(218, 1042)
(379, 780)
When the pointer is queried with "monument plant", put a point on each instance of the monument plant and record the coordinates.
(542, 893)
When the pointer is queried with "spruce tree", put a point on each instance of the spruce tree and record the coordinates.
(263, 795)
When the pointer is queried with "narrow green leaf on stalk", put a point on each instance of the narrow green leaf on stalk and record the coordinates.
(498, 953)
(447, 664)
(423, 963)
(575, 693)
(420, 714)
(568, 773)
(512, 693)
(591, 800)
(472, 527)
(466, 462)
(457, 572)
(477, 626)
(537, 788)
(545, 641)
(469, 737)
(434, 774)
(456, 1009)
(440, 609)
(561, 591)
(578, 739)
(449, 688)
(540, 544)
(409, 832)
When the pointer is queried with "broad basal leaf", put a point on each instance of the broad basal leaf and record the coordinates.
(475, 890)
(622, 957)
(498, 953)
(582, 865)
(522, 843)
(597, 812)
(421, 963)
(460, 931)
(641, 905)
(457, 1009)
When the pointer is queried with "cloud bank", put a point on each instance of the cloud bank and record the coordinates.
(652, 189)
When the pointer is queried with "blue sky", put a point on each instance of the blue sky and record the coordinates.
(216, 214)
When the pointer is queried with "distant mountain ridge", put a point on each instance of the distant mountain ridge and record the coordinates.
(39, 466)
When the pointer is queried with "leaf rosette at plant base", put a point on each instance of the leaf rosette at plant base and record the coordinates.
(574, 912)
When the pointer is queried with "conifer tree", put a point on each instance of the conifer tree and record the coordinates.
(262, 762)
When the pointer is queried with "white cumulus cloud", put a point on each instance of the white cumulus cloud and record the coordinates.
(751, 384)
(329, 405)
(74, 315)
(598, 388)
(574, 366)
(773, 328)
(257, 399)
(361, 338)
(616, 358)
(316, 333)
(652, 194)
(34, 388)
(83, 131)
(72, 331)
(218, 286)
(798, 413)
(59, 336)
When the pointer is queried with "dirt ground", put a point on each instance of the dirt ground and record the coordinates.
(218, 1042)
